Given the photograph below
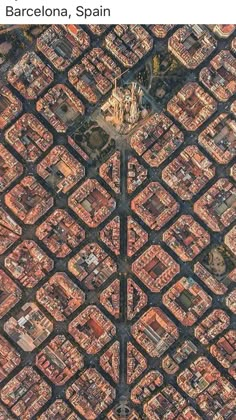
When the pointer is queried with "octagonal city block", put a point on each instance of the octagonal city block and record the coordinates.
(220, 76)
(29, 137)
(60, 233)
(155, 206)
(155, 268)
(90, 383)
(63, 44)
(60, 296)
(219, 138)
(92, 329)
(191, 106)
(28, 263)
(60, 107)
(58, 410)
(30, 76)
(217, 206)
(27, 385)
(29, 200)
(156, 139)
(92, 266)
(188, 173)
(170, 401)
(60, 169)
(186, 237)
(59, 360)
(187, 300)
(155, 332)
(92, 203)
(216, 397)
(192, 44)
(29, 327)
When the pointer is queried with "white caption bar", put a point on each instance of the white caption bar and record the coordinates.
(117, 11)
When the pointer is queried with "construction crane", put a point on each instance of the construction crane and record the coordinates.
(118, 77)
